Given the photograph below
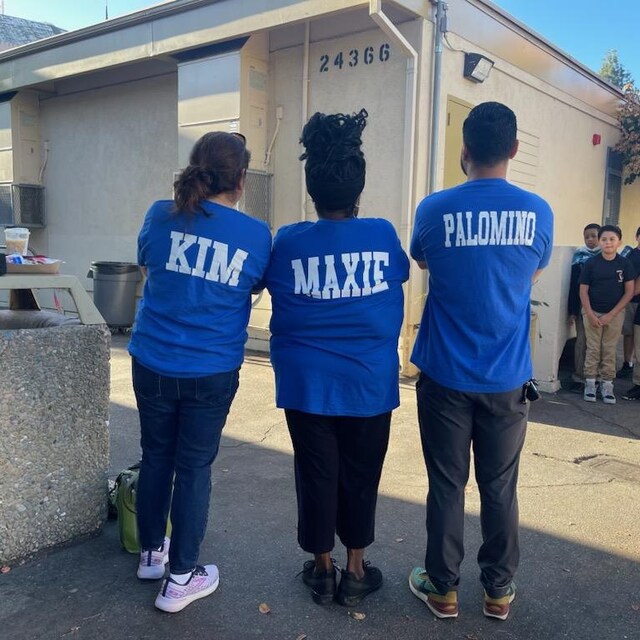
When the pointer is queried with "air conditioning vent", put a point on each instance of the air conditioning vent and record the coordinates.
(22, 204)
(256, 200)
(6, 205)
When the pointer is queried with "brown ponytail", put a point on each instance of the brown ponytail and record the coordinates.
(217, 163)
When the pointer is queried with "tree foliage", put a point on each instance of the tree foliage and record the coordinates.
(613, 71)
(629, 144)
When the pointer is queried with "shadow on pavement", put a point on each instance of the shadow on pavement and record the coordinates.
(622, 419)
(569, 411)
(89, 590)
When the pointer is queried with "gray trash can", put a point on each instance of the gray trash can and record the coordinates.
(114, 291)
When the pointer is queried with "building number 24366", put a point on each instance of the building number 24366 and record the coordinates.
(355, 56)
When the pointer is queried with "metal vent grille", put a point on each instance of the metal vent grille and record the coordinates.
(256, 200)
(28, 205)
(6, 205)
(22, 204)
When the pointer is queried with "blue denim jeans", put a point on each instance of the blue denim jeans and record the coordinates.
(181, 421)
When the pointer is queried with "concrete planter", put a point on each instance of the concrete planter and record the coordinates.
(54, 439)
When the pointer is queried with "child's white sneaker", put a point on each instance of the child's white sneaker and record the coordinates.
(152, 562)
(174, 597)
(590, 390)
(608, 396)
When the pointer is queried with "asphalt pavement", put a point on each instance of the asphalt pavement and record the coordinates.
(579, 576)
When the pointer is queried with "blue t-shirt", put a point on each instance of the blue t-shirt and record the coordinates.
(336, 288)
(201, 269)
(483, 241)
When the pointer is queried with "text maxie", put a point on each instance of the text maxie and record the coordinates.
(363, 275)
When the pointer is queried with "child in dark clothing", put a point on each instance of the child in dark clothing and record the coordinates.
(633, 255)
(634, 392)
(582, 254)
(606, 286)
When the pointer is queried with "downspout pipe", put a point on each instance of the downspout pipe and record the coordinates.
(406, 224)
(440, 27)
(305, 115)
(385, 24)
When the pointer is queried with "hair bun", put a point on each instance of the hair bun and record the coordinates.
(335, 165)
(325, 134)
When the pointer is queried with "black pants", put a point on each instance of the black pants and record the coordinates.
(338, 463)
(450, 421)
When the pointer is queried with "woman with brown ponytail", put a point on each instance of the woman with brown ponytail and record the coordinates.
(203, 259)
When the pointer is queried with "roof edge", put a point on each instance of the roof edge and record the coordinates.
(113, 24)
(493, 9)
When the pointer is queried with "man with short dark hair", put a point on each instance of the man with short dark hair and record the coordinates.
(483, 242)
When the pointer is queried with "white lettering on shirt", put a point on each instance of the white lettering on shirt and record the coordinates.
(468, 229)
(308, 286)
(498, 234)
(220, 269)
(203, 246)
(449, 228)
(379, 258)
(461, 241)
(223, 271)
(510, 227)
(331, 287)
(350, 287)
(366, 282)
(180, 242)
(355, 283)
(484, 226)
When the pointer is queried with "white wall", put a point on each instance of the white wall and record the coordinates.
(552, 331)
(112, 153)
(208, 99)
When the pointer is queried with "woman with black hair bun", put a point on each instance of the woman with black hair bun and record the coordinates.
(203, 259)
(336, 288)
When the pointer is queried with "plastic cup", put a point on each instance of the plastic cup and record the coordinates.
(17, 240)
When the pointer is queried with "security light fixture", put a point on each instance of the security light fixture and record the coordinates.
(477, 67)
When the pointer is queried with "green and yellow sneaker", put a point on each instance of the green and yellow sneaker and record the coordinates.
(499, 607)
(441, 605)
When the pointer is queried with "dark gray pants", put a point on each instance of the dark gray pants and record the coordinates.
(450, 422)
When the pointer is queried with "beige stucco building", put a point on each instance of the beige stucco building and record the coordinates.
(102, 117)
